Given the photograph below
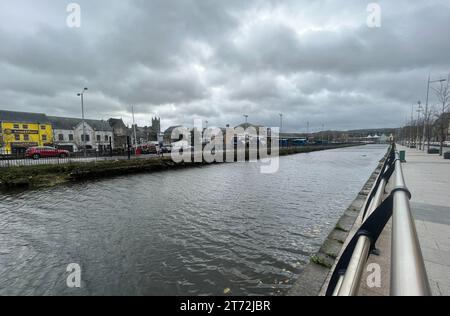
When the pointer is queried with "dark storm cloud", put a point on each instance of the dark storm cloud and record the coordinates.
(405, 42)
(216, 60)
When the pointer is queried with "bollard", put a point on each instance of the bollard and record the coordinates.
(402, 156)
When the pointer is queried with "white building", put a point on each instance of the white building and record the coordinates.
(383, 139)
(68, 134)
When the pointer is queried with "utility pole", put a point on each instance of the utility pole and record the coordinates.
(81, 94)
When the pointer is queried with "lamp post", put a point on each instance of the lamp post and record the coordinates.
(418, 140)
(246, 118)
(81, 94)
(281, 122)
(427, 115)
(323, 131)
(411, 136)
(134, 129)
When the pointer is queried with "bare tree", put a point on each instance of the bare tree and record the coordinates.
(443, 94)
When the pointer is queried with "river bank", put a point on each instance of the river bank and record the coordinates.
(41, 176)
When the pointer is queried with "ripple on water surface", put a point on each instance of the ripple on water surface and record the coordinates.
(195, 231)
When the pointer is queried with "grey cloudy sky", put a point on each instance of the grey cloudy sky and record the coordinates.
(315, 61)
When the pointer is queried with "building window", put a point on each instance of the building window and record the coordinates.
(98, 139)
(17, 137)
(85, 136)
(61, 137)
(26, 137)
(43, 127)
(16, 126)
(25, 126)
(106, 138)
(44, 138)
(71, 137)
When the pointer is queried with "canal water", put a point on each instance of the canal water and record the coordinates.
(203, 231)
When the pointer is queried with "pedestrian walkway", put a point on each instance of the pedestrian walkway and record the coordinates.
(428, 179)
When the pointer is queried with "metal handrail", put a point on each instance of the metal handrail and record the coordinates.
(352, 278)
(408, 273)
(348, 284)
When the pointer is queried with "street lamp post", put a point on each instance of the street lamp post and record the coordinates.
(411, 127)
(418, 140)
(81, 94)
(323, 131)
(427, 115)
(281, 122)
(134, 129)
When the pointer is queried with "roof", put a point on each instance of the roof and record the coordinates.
(170, 129)
(23, 117)
(292, 135)
(116, 122)
(247, 125)
(67, 123)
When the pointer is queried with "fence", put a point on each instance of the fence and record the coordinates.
(19, 160)
(408, 274)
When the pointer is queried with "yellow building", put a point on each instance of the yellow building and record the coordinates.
(20, 131)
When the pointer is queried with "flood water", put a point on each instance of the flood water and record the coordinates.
(186, 232)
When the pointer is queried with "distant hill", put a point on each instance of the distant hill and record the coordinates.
(372, 131)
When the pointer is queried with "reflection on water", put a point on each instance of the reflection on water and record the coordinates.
(185, 232)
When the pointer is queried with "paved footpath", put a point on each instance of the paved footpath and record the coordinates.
(428, 179)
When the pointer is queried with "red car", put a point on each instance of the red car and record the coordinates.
(46, 152)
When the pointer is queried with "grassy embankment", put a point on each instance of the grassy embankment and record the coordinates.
(38, 176)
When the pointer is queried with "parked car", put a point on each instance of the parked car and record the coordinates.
(166, 149)
(181, 145)
(149, 149)
(46, 152)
